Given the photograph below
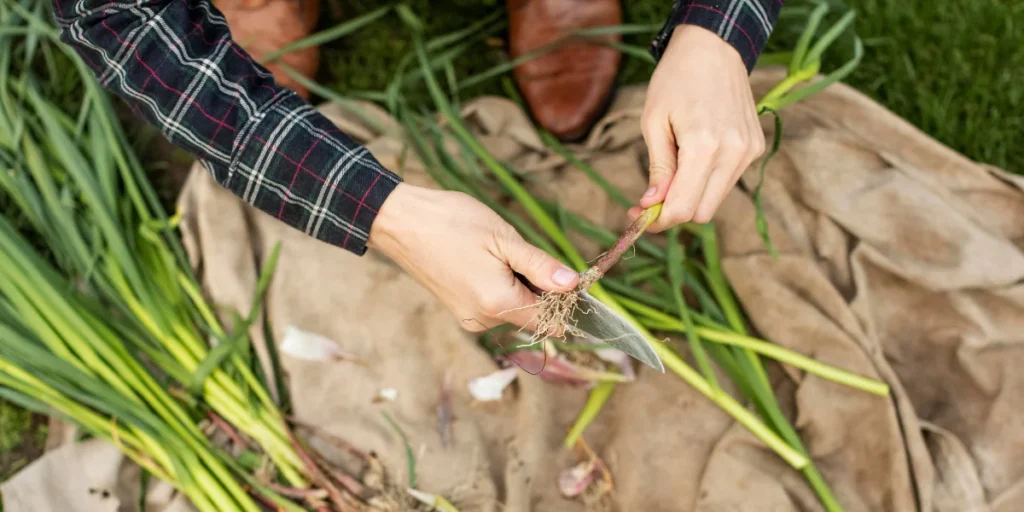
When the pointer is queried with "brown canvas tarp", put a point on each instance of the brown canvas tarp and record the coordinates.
(899, 259)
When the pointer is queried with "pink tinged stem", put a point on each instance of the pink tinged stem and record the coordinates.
(633, 232)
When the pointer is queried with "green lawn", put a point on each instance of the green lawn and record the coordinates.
(955, 69)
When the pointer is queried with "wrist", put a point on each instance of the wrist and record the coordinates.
(386, 226)
(403, 216)
(690, 35)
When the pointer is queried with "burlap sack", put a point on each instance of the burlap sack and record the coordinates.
(898, 259)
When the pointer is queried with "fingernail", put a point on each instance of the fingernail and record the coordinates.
(563, 276)
(650, 192)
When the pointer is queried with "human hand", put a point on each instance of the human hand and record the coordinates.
(465, 254)
(700, 126)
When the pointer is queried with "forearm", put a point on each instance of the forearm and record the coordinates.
(174, 62)
(744, 24)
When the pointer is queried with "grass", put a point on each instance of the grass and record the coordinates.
(954, 69)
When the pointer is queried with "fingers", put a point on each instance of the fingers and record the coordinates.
(709, 166)
(542, 269)
(697, 153)
(737, 153)
(515, 303)
(661, 150)
(518, 306)
(544, 272)
(718, 186)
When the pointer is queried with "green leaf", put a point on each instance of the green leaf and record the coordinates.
(631, 50)
(325, 36)
(214, 359)
(627, 290)
(263, 283)
(284, 401)
(439, 42)
(676, 269)
(600, 394)
(453, 88)
(831, 78)
(761, 222)
(800, 52)
(410, 18)
(623, 29)
(410, 457)
(505, 67)
(826, 40)
(643, 274)
(587, 169)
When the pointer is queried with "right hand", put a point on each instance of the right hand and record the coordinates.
(465, 254)
(700, 125)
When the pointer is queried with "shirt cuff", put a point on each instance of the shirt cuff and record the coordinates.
(744, 24)
(294, 163)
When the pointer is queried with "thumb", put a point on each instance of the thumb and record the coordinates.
(661, 149)
(539, 267)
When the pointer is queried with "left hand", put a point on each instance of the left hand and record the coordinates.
(700, 126)
(467, 256)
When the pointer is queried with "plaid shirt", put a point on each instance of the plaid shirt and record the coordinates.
(745, 24)
(176, 65)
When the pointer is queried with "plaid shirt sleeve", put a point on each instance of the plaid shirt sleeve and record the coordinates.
(744, 24)
(176, 65)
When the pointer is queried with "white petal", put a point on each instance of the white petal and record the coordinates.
(389, 394)
(490, 386)
(310, 346)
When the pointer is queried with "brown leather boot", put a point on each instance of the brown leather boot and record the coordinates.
(264, 26)
(566, 90)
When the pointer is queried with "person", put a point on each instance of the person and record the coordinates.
(175, 63)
